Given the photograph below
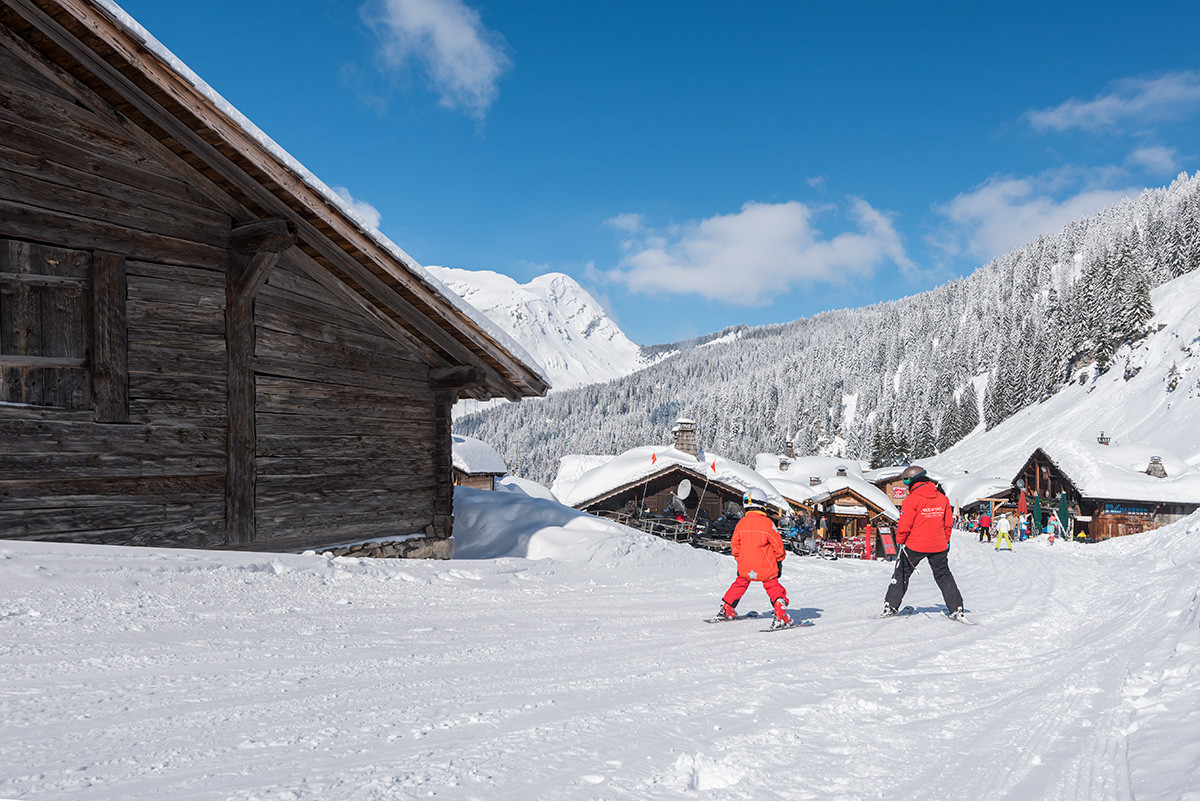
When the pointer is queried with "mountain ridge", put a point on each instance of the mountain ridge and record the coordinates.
(1025, 322)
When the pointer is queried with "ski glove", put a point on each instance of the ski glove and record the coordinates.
(780, 565)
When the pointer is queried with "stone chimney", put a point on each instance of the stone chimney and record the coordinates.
(1156, 468)
(784, 464)
(685, 436)
(789, 449)
(841, 471)
(814, 481)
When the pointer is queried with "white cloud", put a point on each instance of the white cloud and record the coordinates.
(1156, 159)
(447, 39)
(1005, 211)
(749, 257)
(368, 213)
(1132, 100)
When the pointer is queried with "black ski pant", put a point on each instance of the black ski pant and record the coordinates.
(939, 563)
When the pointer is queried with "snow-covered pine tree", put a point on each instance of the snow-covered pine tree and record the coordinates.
(970, 410)
(923, 444)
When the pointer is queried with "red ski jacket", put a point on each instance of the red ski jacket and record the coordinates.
(757, 547)
(925, 519)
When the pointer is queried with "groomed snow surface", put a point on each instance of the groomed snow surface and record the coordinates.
(568, 659)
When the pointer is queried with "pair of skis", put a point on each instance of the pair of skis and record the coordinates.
(795, 624)
(908, 611)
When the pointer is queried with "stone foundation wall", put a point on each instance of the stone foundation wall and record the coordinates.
(414, 548)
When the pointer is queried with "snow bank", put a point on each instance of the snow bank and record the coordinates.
(493, 525)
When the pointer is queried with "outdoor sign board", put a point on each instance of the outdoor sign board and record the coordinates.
(1127, 509)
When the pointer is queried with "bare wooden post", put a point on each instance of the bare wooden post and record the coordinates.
(110, 354)
(447, 382)
(254, 250)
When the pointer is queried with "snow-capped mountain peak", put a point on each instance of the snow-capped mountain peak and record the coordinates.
(561, 325)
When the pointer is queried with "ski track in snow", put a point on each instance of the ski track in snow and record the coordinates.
(133, 674)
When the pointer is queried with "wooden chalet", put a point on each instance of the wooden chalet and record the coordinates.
(1108, 509)
(849, 510)
(476, 464)
(199, 345)
(656, 493)
(888, 480)
(649, 477)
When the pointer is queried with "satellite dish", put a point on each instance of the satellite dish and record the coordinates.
(685, 489)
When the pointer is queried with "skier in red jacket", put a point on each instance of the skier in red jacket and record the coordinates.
(926, 518)
(759, 552)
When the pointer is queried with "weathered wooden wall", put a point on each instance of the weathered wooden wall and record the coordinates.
(74, 175)
(345, 420)
(483, 482)
(350, 436)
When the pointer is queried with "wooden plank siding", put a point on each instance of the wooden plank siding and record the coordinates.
(345, 419)
(143, 464)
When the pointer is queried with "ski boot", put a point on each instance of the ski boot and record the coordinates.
(781, 615)
(888, 610)
(958, 614)
(727, 612)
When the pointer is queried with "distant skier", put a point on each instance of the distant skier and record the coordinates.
(985, 527)
(759, 552)
(1003, 532)
(1053, 528)
(926, 518)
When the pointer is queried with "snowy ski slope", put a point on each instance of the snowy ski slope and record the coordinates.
(587, 673)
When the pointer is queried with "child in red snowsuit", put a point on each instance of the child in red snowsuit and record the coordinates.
(759, 552)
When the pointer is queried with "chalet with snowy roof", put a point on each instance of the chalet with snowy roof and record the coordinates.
(832, 488)
(887, 479)
(1118, 489)
(650, 477)
(201, 345)
(476, 464)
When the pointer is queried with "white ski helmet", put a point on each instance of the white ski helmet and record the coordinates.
(754, 499)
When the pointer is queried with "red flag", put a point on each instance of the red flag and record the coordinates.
(653, 458)
(1022, 507)
(714, 466)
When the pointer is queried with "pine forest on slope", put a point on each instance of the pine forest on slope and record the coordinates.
(895, 377)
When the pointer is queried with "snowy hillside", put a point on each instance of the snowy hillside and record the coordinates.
(1149, 400)
(569, 661)
(555, 320)
(915, 375)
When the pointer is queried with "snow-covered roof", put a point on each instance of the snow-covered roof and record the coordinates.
(964, 489)
(647, 461)
(884, 473)
(1119, 472)
(474, 456)
(572, 466)
(525, 487)
(146, 43)
(794, 483)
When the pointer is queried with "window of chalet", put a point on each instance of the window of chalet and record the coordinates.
(62, 329)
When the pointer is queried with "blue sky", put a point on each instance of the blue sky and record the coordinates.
(700, 164)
